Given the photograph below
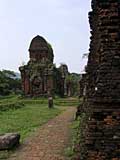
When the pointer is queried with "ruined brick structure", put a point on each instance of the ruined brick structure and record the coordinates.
(64, 71)
(40, 77)
(70, 82)
(82, 85)
(102, 105)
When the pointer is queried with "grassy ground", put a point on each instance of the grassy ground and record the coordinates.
(75, 137)
(25, 120)
(69, 151)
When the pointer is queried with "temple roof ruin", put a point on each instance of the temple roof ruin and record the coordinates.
(39, 48)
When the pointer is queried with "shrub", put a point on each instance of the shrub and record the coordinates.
(11, 105)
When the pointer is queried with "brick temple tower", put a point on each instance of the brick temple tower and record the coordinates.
(40, 50)
(40, 77)
(102, 103)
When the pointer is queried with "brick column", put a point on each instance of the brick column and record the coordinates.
(102, 107)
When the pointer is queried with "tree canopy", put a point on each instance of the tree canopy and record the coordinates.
(9, 82)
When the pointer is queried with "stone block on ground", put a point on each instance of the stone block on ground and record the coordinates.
(9, 140)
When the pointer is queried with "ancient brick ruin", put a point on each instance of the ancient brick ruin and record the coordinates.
(102, 104)
(64, 71)
(40, 77)
(67, 83)
(82, 85)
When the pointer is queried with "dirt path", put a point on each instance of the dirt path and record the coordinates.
(50, 140)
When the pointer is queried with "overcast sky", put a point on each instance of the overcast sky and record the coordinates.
(63, 23)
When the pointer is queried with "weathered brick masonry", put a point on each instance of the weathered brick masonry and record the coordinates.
(40, 77)
(102, 106)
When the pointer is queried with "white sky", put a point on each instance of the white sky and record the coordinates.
(63, 23)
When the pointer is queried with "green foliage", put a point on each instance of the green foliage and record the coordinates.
(35, 112)
(10, 105)
(4, 155)
(25, 120)
(69, 151)
(66, 102)
(49, 45)
(9, 83)
(73, 80)
(77, 148)
(42, 101)
(9, 73)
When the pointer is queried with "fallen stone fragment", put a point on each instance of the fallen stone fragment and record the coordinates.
(9, 140)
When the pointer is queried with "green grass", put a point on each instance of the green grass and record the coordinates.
(25, 120)
(4, 155)
(33, 114)
(57, 101)
(69, 151)
(76, 136)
